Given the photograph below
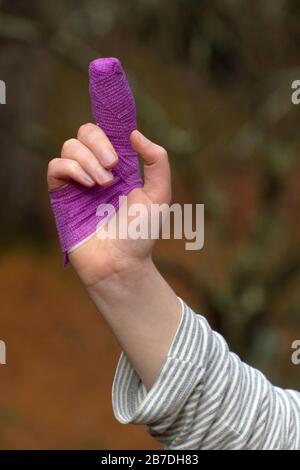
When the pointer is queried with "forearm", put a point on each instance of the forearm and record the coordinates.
(143, 313)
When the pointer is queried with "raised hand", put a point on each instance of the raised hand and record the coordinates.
(96, 168)
(82, 162)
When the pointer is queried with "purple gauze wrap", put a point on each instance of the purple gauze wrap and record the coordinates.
(74, 206)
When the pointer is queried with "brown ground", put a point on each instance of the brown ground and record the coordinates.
(55, 391)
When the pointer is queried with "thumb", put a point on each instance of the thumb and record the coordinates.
(157, 175)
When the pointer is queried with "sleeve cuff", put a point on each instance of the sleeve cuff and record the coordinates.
(176, 380)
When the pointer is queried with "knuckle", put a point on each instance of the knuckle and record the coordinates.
(67, 145)
(161, 152)
(73, 165)
(85, 129)
(51, 164)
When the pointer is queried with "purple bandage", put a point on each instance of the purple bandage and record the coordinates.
(113, 107)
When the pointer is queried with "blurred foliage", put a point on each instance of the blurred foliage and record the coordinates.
(212, 81)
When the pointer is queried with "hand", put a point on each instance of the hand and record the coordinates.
(139, 306)
(85, 160)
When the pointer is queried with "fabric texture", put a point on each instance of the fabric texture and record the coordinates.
(113, 108)
(205, 398)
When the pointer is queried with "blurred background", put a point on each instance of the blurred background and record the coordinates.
(212, 81)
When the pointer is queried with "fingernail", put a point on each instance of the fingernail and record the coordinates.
(105, 177)
(87, 179)
(108, 159)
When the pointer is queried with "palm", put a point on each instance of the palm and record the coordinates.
(99, 258)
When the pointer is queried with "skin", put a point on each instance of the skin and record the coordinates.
(114, 271)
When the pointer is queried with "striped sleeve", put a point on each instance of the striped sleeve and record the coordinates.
(205, 398)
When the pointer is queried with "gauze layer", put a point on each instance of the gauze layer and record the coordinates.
(113, 108)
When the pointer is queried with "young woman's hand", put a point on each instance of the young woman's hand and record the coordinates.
(87, 160)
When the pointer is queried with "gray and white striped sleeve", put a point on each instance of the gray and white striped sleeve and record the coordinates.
(205, 398)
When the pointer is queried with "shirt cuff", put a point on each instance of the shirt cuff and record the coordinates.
(176, 380)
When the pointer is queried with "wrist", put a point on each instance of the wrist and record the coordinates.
(126, 276)
(143, 312)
